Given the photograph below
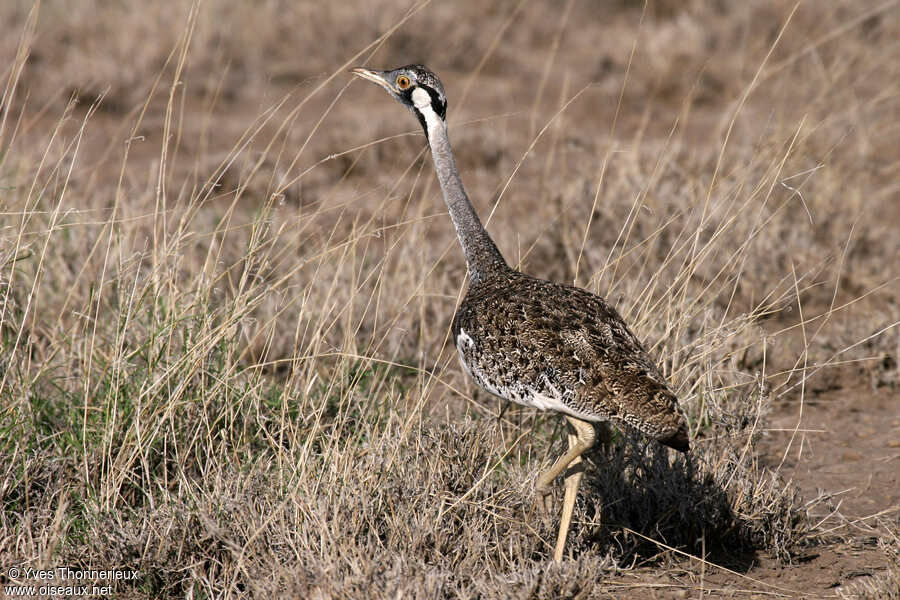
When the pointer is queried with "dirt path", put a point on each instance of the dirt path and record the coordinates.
(850, 448)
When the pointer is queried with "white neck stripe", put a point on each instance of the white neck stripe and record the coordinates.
(421, 98)
(422, 102)
(432, 121)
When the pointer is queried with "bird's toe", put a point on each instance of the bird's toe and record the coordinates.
(543, 500)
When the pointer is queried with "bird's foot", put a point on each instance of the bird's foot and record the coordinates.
(543, 500)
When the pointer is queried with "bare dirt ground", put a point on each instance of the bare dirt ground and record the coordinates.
(227, 276)
(844, 445)
(849, 450)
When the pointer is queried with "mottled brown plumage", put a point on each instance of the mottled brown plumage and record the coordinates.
(541, 344)
(521, 338)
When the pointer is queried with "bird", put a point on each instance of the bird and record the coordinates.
(541, 344)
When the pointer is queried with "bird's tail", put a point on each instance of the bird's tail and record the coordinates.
(678, 440)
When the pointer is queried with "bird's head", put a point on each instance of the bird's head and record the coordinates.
(415, 87)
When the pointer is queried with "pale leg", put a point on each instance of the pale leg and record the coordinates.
(581, 440)
(573, 480)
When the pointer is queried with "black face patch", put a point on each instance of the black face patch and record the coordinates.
(421, 118)
(406, 95)
(438, 104)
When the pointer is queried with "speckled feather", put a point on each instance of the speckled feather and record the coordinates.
(555, 346)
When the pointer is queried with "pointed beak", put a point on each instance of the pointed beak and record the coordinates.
(375, 77)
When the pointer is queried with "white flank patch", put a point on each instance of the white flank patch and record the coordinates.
(463, 340)
(543, 402)
(463, 343)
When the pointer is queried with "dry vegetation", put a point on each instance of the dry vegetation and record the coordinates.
(227, 278)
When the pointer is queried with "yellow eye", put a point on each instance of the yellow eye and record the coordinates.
(403, 82)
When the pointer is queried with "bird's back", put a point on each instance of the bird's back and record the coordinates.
(558, 347)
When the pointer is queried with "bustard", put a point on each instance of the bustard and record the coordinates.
(538, 343)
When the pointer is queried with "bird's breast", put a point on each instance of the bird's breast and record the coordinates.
(507, 373)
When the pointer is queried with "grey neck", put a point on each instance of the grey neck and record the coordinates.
(482, 256)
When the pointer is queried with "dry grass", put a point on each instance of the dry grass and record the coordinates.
(226, 299)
